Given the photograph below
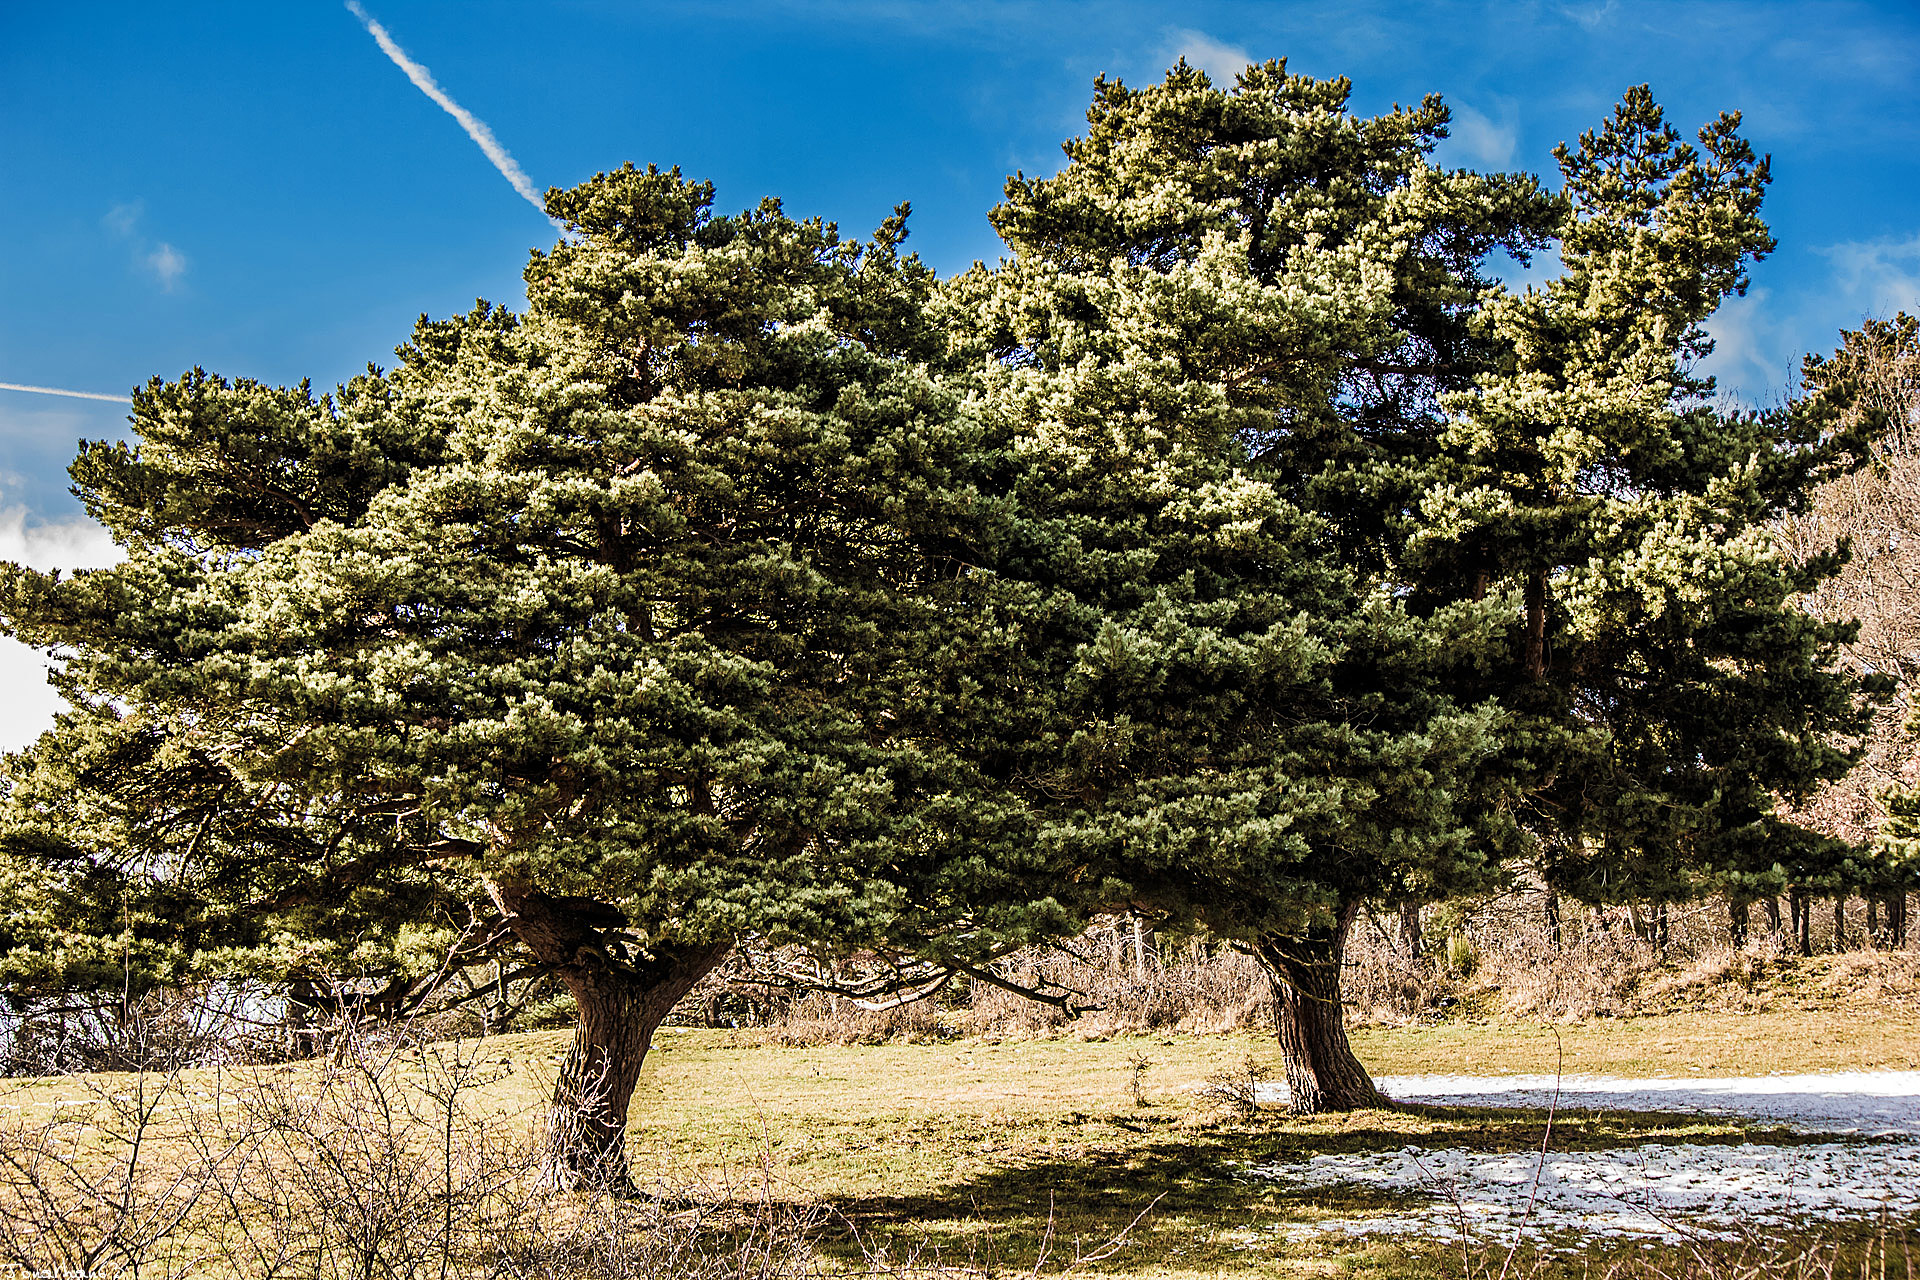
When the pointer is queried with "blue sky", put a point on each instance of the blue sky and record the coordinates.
(259, 189)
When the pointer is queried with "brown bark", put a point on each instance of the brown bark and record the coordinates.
(1801, 909)
(1322, 1071)
(1537, 626)
(1412, 939)
(1739, 920)
(622, 999)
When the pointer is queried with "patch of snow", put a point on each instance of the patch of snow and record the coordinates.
(1869, 1103)
(1655, 1191)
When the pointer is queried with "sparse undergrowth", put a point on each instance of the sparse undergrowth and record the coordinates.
(1485, 959)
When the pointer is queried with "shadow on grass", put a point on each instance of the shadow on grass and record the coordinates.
(1177, 1193)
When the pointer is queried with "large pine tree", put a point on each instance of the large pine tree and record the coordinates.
(608, 632)
(1526, 551)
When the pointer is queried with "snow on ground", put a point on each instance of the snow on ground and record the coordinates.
(1655, 1191)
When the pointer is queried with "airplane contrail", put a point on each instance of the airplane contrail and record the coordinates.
(56, 391)
(475, 127)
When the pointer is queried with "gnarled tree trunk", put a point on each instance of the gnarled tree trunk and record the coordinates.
(1322, 1071)
(622, 1000)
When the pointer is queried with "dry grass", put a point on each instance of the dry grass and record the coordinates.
(959, 1158)
(979, 1136)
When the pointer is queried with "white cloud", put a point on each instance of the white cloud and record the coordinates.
(27, 703)
(1880, 276)
(168, 264)
(1754, 356)
(123, 218)
(1477, 138)
(475, 127)
(76, 543)
(1221, 61)
(1592, 17)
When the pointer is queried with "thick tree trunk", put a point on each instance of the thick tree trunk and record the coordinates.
(1322, 1071)
(1552, 910)
(1840, 923)
(1773, 915)
(622, 999)
(1739, 920)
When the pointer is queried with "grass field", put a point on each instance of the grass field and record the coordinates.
(990, 1158)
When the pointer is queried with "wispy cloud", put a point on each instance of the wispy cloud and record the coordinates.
(476, 128)
(1881, 276)
(1590, 16)
(61, 391)
(123, 218)
(1479, 139)
(1220, 60)
(166, 263)
(1754, 354)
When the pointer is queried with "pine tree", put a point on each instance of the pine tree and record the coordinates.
(1527, 555)
(610, 632)
(1227, 324)
(1669, 692)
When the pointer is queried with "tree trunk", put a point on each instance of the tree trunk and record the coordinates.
(1411, 936)
(1322, 1071)
(622, 997)
(1739, 920)
(1840, 924)
(1536, 654)
(1552, 907)
(1773, 915)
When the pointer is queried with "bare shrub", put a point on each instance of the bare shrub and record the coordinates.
(386, 1159)
(1237, 1089)
(1518, 953)
(157, 1030)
